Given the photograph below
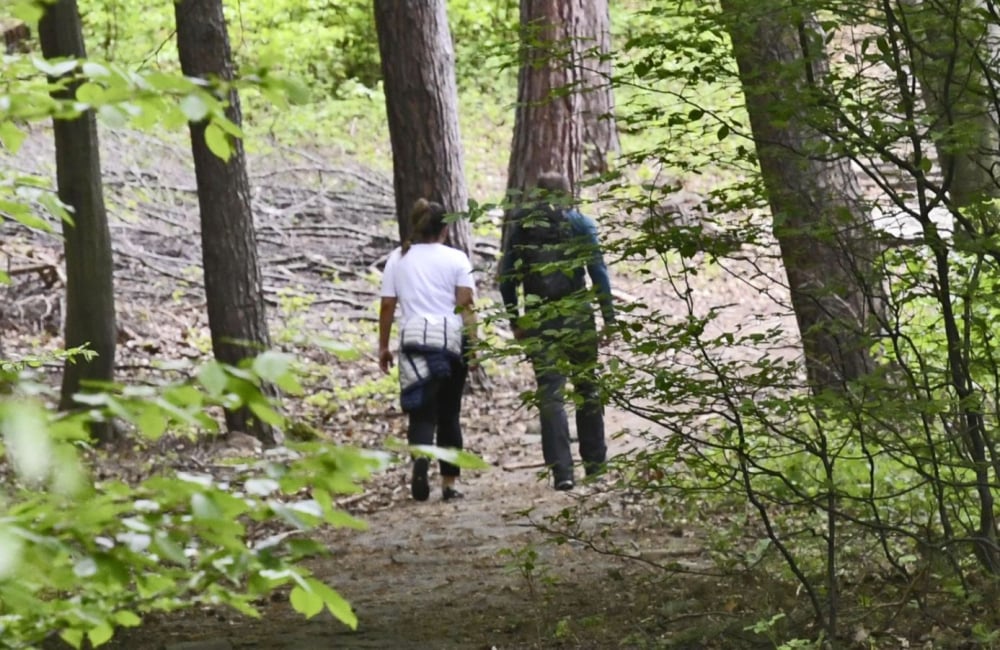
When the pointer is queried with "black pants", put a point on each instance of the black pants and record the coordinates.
(441, 410)
(566, 349)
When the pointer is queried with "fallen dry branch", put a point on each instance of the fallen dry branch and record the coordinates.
(322, 229)
(50, 274)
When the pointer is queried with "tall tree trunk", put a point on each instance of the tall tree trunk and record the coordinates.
(90, 302)
(600, 132)
(233, 289)
(954, 52)
(547, 134)
(547, 131)
(823, 231)
(418, 67)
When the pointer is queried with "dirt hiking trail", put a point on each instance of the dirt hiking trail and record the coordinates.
(472, 573)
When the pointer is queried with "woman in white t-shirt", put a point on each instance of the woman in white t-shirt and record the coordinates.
(432, 284)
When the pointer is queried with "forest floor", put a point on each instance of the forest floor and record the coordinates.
(483, 573)
(513, 565)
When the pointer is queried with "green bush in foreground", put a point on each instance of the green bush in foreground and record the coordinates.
(80, 557)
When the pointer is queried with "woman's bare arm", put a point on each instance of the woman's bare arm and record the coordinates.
(386, 312)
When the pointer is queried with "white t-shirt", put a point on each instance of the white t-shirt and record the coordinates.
(424, 280)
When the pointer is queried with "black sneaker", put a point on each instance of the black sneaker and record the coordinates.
(564, 484)
(449, 493)
(420, 488)
(562, 477)
(594, 469)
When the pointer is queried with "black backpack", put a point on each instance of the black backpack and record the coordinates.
(543, 243)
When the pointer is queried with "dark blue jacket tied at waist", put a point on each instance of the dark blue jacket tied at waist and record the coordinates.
(428, 348)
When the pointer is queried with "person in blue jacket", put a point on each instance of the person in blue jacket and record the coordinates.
(561, 337)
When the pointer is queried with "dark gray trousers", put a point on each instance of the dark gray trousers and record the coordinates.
(561, 351)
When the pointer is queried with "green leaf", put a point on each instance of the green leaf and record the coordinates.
(28, 441)
(274, 96)
(149, 112)
(460, 457)
(11, 137)
(90, 93)
(275, 367)
(204, 507)
(228, 126)
(343, 351)
(723, 132)
(101, 634)
(213, 377)
(290, 516)
(298, 92)
(271, 365)
(92, 69)
(72, 636)
(215, 139)
(55, 68)
(11, 548)
(195, 107)
(342, 519)
(23, 215)
(306, 602)
(151, 421)
(261, 409)
(306, 547)
(30, 13)
(111, 115)
(166, 548)
(289, 384)
(169, 83)
(339, 607)
(56, 208)
(126, 618)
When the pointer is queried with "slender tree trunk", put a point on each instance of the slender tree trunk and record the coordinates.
(234, 292)
(823, 231)
(90, 303)
(600, 132)
(418, 66)
(547, 134)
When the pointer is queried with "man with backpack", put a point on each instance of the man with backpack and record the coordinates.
(549, 246)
